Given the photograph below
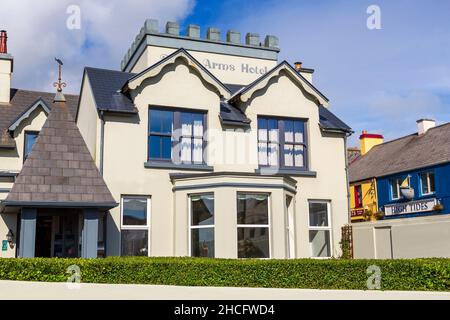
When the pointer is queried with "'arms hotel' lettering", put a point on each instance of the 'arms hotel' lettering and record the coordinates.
(245, 67)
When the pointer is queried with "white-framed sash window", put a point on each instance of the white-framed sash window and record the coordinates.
(320, 229)
(201, 225)
(135, 225)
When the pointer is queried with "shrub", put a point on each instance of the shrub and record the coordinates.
(414, 274)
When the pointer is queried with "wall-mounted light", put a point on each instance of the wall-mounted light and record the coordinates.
(10, 238)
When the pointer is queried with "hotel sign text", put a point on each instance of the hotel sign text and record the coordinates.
(410, 207)
(243, 67)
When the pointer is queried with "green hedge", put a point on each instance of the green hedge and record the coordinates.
(417, 274)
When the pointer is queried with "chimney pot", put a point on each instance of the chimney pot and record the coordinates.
(297, 65)
(3, 42)
(423, 125)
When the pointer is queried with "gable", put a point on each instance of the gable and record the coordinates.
(283, 69)
(179, 56)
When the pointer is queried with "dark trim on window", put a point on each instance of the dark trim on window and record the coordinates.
(25, 142)
(290, 171)
(182, 166)
(281, 143)
(176, 123)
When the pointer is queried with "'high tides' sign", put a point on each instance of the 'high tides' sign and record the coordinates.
(410, 207)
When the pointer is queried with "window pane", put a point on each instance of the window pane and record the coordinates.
(161, 121)
(202, 207)
(288, 131)
(166, 148)
(198, 150)
(320, 243)
(273, 154)
(424, 183)
(262, 153)
(318, 214)
(273, 130)
(134, 242)
(134, 211)
(202, 242)
(186, 149)
(299, 158)
(394, 187)
(252, 209)
(198, 124)
(288, 155)
(262, 129)
(432, 186)
(186, 124)
(253, 243)
(30, 139)
(299, 128)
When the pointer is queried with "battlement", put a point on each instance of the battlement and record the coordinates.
(149, 34)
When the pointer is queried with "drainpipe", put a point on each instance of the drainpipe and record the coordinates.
(102, 139)
(346, 176)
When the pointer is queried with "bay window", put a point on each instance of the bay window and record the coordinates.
(176, 135)
(253, 225)
(282, 143)
(135, 217)
(320, 229)
(202, 225)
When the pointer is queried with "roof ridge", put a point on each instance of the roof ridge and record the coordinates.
(112, 70)
(409, 135)
(45, 92)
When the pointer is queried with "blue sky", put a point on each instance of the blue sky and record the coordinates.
(377, 80)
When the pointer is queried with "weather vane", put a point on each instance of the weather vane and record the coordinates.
(59, 85)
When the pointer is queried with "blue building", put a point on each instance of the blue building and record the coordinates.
(412, 177)
(412, 172)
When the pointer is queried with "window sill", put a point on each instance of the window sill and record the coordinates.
(170, 165)
(285, 171)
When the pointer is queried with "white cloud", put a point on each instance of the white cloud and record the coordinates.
(37, 33)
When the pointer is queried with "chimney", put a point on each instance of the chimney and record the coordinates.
(306, 73)
(6, 69)
(3, 42)
(424, 124)
(369, 140)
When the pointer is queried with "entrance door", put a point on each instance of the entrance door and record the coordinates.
(66, 236)
(43, 236)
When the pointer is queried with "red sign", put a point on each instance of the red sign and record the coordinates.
(356, 212)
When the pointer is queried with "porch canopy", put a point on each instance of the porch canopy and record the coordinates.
(59, 174)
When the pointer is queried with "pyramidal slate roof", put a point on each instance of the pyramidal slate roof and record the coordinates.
(60, 172)
(21, 101)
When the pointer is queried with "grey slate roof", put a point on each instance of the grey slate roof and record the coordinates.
(329, 121)
(404, 154)
(22, 100)
(60, 172)
(106, 86)
(232, 115)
